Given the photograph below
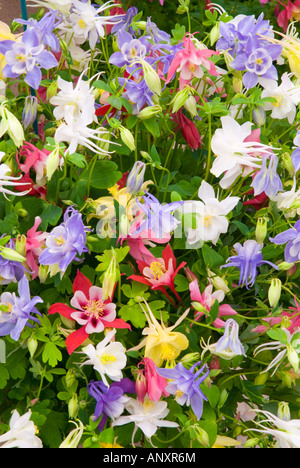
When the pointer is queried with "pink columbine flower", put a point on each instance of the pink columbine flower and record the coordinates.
(149, 382)
(206, 301)
(89, 310)
(34, 159)
(292, 317)
(34, 246)
(189, 62)
(159, 272)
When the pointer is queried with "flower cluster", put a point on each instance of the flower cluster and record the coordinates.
(149, 225)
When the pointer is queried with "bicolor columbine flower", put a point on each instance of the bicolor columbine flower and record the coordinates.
(248, 259)
(30, 158)
(202, 303)
(287, 96)
(15, 311)
(149, 382)
(229, 345)
(161, 342)
(22, 433)
(266, 179)
(108, 358)
(184, 384)
(210, 215)
(131, 52)
(65, 241)
(11, 270)
(288, 345)
(285, 432)
(110, 401)
(147, 416)
(158, 217)
(89, 309)
(27, 57)
(290, 237)
(237, 149)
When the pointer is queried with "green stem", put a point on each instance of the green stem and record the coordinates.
(91, 168)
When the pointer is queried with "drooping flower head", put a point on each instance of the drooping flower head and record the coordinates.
(229, 345)
(149, 382)
(290, 237)
(65, 241)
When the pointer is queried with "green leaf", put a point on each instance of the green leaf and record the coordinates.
(105, 174)
(133, 314)
(77, 159)
(4, 376)
(211, 257)
(212, 393)
(152, 127)
(278, 335)
(51, 354)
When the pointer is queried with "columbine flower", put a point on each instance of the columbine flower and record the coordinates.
(287, 96)
(15, 312)
(185, 385)
(109, 401)
(290, 237)
(296, 153)
(27, 57)
(35, 159)
(10, 124)
(248, 258)
(147, 416)
(22, 433)
(288, 346)
(238, 150)
(149, 382)
(131, 52)
(135, 178)
(65, 241)
(30, 111)
(158, 217)
(73, 438)
(161, 342)
(188, 130)
(286, 433)
(35, 241)
(202, 303)
(89, 309)
(210, 215)
(266, 179)
(108, 358)
(159, 272)
(11, 271)
(229, 345)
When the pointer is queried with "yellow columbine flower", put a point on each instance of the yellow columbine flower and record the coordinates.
(291, 50)
(161, 343)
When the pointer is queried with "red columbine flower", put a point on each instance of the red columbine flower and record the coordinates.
(159, 272)
(90, 310)
(149, 382)
(188, 130)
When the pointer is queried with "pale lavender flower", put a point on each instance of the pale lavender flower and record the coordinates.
(16, 311)
(26, 57)
(10, 271)
(29, 111)
(156, 34)
(65, 241)
(230, 339)
(135, 178)
(185, 385)
(137, 93)
(296, 153)
(132, 51)
(266, 179)
(124, 21)
(159, 218)
(290, 237)
(248, 258)
(44, 28)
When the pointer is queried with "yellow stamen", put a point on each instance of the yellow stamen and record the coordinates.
(157, 270)
(168, 352)
(94, 308)
(107, 359)
(60, 241)
(81, 23)
(207, 220)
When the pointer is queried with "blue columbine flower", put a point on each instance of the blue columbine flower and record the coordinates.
(137, 93)
(185, 385)
(26, 57)
(15, 312)
(230, 339)
(65, 241)
(248, 258)
(10, 270)
(267, 180)
(109, 400)
(159, 218)
(296, 153)
(125, 21)
(290, 237)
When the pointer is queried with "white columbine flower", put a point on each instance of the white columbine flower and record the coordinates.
(289, 201)
(287, 97)
(237, 151)
(108, 358)
(147, 416)
(286, 433)
(7, 180)
(210, 215)
(62, 5)
(22, 433)
(10, 124)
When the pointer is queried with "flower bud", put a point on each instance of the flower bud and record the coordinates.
(135, 178)
(259, 116)
(190, 357)
(111, 276)
(214, 34)
(190, 106)
(51, 90)
(141, 386)
(151, 77)
(274, 292)
(32, 345)
(190, 275)
(261, 229)
(261, 379)
(218, 282)
(10, 254)
(293, 357)
(43, 273)
(199, 307)
(284, 266)
(252, 442)
(201, 436)
(11, 125)
(180, 98)
(70, 378)
(29, 111)
(127, 137)
(149, 111)
(20, 245)
(73, 438)
(52, 162)
(288, 163)
(237, 84)
(284, 411)
(73, 406)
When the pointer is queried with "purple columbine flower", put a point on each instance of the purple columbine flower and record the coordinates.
(124, 21)
(65, 241)
(109, 400)
(267, 180)
(135, 178)
(10, 270)
(185, 385)
(29, 111)
(137, 93)
(296, 153)
(44, 28)
(230, 339)
(15, 312)
(156, 34)
(159, 218)
(26, 57)
(248, 258)
(131, 51)
(290, 237)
